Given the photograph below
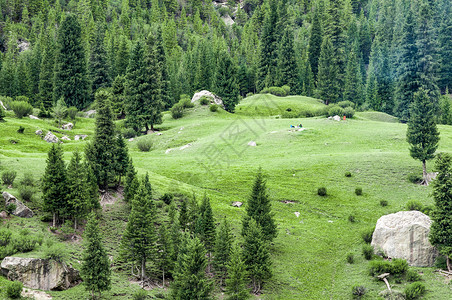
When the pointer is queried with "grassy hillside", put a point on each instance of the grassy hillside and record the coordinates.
(309, 254)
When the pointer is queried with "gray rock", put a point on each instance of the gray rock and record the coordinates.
(80, 136)
(405, 235)
(252, 144)
(227, 20)
(41, 274)
(2, 106)
(237, 204)
(65, 138)
(21, 209)
(51, 138)
(3, 214)
(68, 126)
(90, 113)
(33, 117)
(38, 132)
(336, 118)
(202, 93)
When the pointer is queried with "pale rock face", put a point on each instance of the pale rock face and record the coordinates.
(33, 117)
(21, 209)
(252, 144)
(68, 126)
(80, 136)
(405, 235)
(38, 132)
(42, 274)
(215, 98)
(336, 118)
(237, 204)
(65, 138)
(51, 138)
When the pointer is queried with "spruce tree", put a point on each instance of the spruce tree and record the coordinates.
(54, 184)
(118, 96)
(422, 133)
(315, 43)
(226, 85)
(259, 209)
(78, 191)
(165, 251)
(121, 158)
(95, 270)
(222, 251)
(445, 49)
(163, 69)
(99, 65)
(327, 84)
(46, 76)
(441, 229)
(237, 276)
(256, 255)
(71, 71)
(138, 244)
(353, 90)
(190, 279)
(122, 56)
(287, 65)
(205, 225)
(101, 152)
(183, 215)
(92, 189)
(131, 184)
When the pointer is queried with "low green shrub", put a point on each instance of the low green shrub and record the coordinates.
(351, 218)
(140, 295)
(177, 111)
(358, 291)
(286, 89)
(321, 191)
(412, 276)
(186, 103)
(28, 180)
(14, 289)
(144, 144)
(350, 258)
(414, 178)
(414, 290)
(21, 130)
(441, 262)
(428, 209)
(26, 192)
(57, 252)
(335, 110)
(274, 90)
(167, 198)
(128, 133)
(5, 237)
(72, 112)
(213, 107)
(414, 205)
(2, 114)
(10, 208)
(396, 267)
(349, 112)
(346, 103)
(204, 100)
(8, 177)
(368, 251)
(383, 203)
(358, 191)
(348, 174)
(21, 108)
(289, 115)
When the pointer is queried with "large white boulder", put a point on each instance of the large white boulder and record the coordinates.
(41, 274)
(21, 209)
(208, 94)
(405, 235)
(51, 138)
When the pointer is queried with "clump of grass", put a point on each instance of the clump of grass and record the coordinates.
(348, 174)
(321, 191)
(368, 252)
(383, 203)
(14, 289)
(213, 107)
(412, 276)
(350, 258)
(144, 144)
(8, 177)
(367, 235)
(351, 218)
(414, 205)
(358, 191)
(414, 291)
(358, 291)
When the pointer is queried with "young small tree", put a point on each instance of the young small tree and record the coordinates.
(237, 276)
(222, 253)
(259, 209)
(131, 184)
(92, 190)
(441, 229)
(78, 192)
(165, 251)
(54, 183)
(190, 280)
(121, 158)
(422, 133)
(95, 269)
(205, 225)
(256, 256)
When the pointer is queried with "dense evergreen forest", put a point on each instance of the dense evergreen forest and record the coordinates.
(375, 53)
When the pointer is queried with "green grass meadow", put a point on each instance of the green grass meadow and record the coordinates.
(207, 152)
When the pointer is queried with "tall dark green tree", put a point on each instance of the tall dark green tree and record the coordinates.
(205, 225)
(46, 76)
(445, 48)
(131, 183)
(441, 229)
(165, 251)
(259, 209)
(226, 84)
(118, 96)
(100, 153)
(256, 255)
(121, 158)
(166, 96)
(353, 90)
(237, 276)
(315, 43)
(78, 191)
(122, 56)
(190, 279)
(222, 251)
(54, 184)
(95, 269)
(287, 65)
(71, 70)
(99, 66)
(138, 244)
(327, 85)
(92, 189)
(422, 133)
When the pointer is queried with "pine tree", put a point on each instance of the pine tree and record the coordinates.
(101, 152)
(46, 76)
(353, 90)
(138, 244)
(315, 43)
(256, 255)
(287, 65)
(71, 71)
(408, 82)
(236, 282)
(259, 209)
(92, 189)
(164, 80)
(121, 158)
(122, 56)
(268, 51)
(183, 215)
(226, 85)
(77, 186)
(422, 133)
(441, 229)
(99, 65)
(222, 252)
(54, 184)
(131, 184)
(327, 85)
(165, 250)
(205, 225)
(192, 213)
(190, 280)
(445, 49)
(118, 96)
(95, 269)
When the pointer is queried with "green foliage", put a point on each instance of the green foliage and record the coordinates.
(204, 100)
(205, 225)
(414, 290)
(358, 291)
(349, 112)
(128, 133)
(383, 203)
(177, 111)
(336, 111)
(348, 174)
(72, 112)
(327, 85)
(414, 178)
(367, 235)
(368, 251)
(5, 237)
(140, 295)
(358, 191)
(57, 252)
(396, 267)
(26, 193)
(131, 184)
(28, 180)
(60, 110)
(321, 191)
(274, 90)
(11, 208)
(8, 177)
(167, 198)
(236, 287)
(2, 114)
(412, 276)
(350, 258)
(14, 290)
(21, 108)
(351, 218)
(144, 144)
(186, 103)
(414, 205)
(21, 130)
(226, 85)
(213, 107)
(222, 250)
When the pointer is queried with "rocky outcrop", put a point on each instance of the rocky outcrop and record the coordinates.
(80, 137)
(67, 126)
(33, 117)
(65, 138)
(252, 144)
(405, 235)
(41, 274)
(38, 132)
(21, 209)
(208, 94)
(51, 138)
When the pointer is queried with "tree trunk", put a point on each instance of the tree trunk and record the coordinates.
(424, 173)
(152, 126)
(143, 268)
(54, 220)
(75, 223)
(147, 128)
(448, 263)
(163, 277)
